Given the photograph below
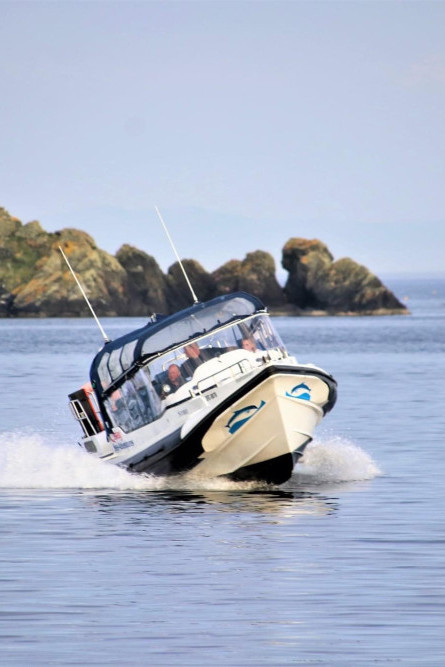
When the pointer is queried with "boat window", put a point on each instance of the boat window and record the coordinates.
(127, 354)
(261, 331)
(135, 403)
(104, 373)
(114, 363)
(159, 369)
(197, 324)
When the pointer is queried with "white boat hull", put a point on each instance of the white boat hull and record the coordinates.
(266, 423)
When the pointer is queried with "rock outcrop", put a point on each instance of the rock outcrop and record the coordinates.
(227, 277)
(52, 290)
(255, 274)
(36, 282)
(21, 248)
(316, 282)
(146, 286)
(179, 294)
(6, 301)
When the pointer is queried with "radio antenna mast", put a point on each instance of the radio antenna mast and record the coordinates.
(195, 298)
(105, 337)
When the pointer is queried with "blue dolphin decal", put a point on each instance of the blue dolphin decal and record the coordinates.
(305, 395)
(235, 422)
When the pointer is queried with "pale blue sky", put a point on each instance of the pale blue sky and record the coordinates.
(247, 123)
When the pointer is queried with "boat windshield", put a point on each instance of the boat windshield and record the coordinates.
(254, 338)
(118, 358)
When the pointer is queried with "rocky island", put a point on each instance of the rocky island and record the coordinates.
(35, 281)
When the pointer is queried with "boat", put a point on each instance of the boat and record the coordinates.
(210, 390)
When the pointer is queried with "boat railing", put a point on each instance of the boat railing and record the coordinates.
(89, 426)
(222, 370)
(217, 372)
(83, 405)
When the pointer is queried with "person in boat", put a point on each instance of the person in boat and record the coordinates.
(196, 357)
(249, 344)
(175, 378)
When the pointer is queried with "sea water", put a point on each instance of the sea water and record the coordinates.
(342, 565)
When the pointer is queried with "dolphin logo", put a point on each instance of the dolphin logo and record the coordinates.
(240, 417)
(305, 392)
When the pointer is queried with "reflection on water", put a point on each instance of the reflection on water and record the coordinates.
(276, 503)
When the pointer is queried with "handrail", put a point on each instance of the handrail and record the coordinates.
(81, 416)
(226, 373)
(241, 364)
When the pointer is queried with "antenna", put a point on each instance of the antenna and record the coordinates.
(105, 337)
(195, 298)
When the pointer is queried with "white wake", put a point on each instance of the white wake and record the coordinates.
(335, 460)
(27, 461)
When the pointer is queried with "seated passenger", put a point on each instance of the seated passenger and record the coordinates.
(174, 377)
(249, 344)
(117, 402)
(195, 357)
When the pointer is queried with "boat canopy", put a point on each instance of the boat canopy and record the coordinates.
(119, 358)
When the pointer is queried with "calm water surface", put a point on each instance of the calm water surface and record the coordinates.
(343, 565)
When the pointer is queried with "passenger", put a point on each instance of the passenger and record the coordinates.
(249, 344)
(117, 400)
(174, 377)
(196, 357)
